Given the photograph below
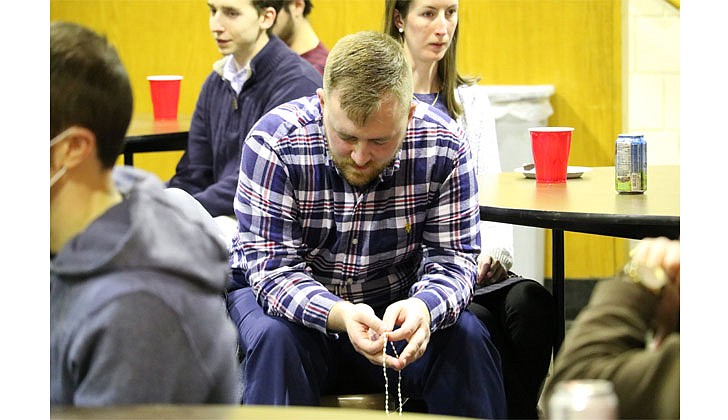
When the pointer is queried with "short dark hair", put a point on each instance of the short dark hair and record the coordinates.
(89, 88)
(261, 5)
(306, 8)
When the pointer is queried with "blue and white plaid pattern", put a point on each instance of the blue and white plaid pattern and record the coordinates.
(308, 239)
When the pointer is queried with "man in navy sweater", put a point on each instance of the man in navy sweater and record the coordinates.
(257, 73)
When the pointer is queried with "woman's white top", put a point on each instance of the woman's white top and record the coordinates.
(478, 123)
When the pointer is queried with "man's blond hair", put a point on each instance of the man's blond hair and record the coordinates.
(364, 68)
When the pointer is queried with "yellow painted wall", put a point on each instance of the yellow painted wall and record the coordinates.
(576, 46)
(152, 37)
(573, 44)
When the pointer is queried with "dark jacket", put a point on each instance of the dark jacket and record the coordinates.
(608, 341)
(208, 170)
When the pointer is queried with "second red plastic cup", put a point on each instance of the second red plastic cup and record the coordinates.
(550, 147)
(165, 96)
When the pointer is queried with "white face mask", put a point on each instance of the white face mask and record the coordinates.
(55, 140)
(58, 175)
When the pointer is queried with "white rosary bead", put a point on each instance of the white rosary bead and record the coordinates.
(386, 379)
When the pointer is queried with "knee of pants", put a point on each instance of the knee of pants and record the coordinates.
(256, 328)
(531, 299)
(270, 332)
(468, 333)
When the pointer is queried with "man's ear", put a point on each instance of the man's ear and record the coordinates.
(81, 143)
(267, 18)
(320, 93)
(298, 6)
(412, 107)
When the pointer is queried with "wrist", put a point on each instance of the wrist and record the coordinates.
(338, 314)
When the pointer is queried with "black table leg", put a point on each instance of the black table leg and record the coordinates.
(557, 267)
(128, 158)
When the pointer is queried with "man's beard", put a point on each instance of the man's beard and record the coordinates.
(355, 177)
(286, 32)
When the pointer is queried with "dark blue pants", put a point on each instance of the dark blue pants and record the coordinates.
(289, 364)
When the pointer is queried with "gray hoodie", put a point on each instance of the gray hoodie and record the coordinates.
(137, 313)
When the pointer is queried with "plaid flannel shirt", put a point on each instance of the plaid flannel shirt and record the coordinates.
(307, 238)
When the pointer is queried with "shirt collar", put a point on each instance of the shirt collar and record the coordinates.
(237, 78)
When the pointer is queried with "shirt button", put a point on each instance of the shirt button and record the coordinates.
(354, 241)
(349, 280)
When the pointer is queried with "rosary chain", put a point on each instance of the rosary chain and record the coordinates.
(386, 378)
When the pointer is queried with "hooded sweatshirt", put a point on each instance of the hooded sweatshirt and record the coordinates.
(136, 309)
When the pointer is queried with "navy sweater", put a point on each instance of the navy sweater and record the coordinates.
(208, 169)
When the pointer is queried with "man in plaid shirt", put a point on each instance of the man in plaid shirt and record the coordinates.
(358, 221)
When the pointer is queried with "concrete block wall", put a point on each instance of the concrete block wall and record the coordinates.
(652, 64)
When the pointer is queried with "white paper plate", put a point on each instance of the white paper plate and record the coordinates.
(571, 172)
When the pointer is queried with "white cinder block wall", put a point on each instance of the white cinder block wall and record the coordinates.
(652, 77)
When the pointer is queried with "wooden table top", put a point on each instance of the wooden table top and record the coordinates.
(145, 125)
(589, 204)
(592, 193)
(182, 412)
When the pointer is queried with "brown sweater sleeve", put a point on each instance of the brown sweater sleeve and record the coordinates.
(608, 341)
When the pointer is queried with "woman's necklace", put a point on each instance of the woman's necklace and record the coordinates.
(433, 101)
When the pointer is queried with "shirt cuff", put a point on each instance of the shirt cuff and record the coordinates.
(316, 313)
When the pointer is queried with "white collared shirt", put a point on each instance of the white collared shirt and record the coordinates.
(236, 77)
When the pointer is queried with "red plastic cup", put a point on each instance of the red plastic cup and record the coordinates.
(550, 147)
(165, 96)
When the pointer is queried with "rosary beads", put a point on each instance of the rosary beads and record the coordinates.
(386, 379)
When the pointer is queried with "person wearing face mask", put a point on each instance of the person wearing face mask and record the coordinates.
(518, 312)
(136, 275)
(62, 170)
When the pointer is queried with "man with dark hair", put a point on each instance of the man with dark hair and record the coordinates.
(293, 28)
(136, 276)
(257, 73)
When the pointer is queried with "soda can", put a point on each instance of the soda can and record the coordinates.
(630, 164)
(584, 399)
